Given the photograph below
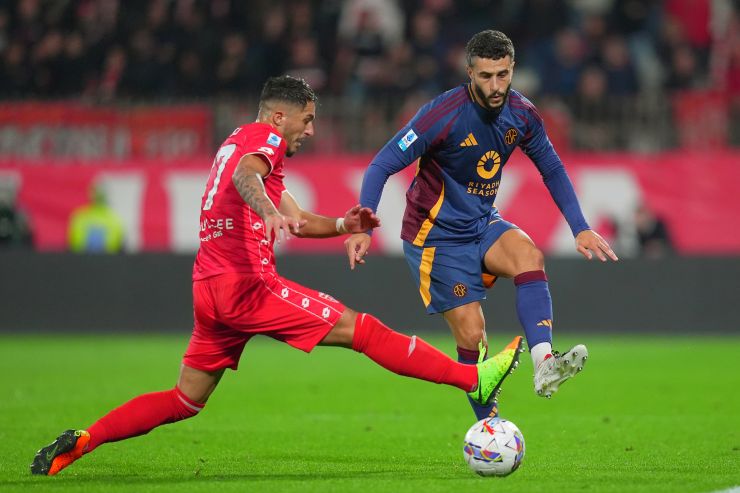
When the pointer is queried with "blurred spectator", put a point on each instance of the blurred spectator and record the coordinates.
(15, 231)
(617, 62)
(401, 71)
(535, 26)
(652, 234)
(639, 22)
(593, 112)
(429, 49)
(561, 74)
(15, 75)
(232, 71)
(301, 19)
(144, 74)
(110, 79)
(95, 227)
(193, 79)
(306, 63)
(269, 51)
(593, 29)
(693, 17)
(72, 77)
(673, 40)
(684, 71)
(368, 29)
(383, 18)
(45, 57)
(726, 61)
(375, 53)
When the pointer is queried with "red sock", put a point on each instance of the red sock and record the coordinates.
(140, 415)
(409, 356)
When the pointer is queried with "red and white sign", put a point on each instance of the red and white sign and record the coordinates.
(74, 132)
(693, 193)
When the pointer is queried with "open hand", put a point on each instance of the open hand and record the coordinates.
(360, 219)
(590, 243)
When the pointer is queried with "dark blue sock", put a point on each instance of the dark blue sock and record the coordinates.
(534, 306)
(470, 357)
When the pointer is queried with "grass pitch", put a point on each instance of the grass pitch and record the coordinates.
(646, 415)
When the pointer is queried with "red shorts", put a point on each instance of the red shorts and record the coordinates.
(230, 308)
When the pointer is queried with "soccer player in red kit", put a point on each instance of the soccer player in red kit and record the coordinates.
(237, 292)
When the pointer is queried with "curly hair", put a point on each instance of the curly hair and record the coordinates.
(489, 44)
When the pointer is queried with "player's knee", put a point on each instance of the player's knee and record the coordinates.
(185, 406)
(343, 331)
(530, 259)
(467, 325)
(469, 335)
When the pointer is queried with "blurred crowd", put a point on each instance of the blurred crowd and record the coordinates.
(403, 51)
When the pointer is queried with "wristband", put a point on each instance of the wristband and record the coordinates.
(341, 229)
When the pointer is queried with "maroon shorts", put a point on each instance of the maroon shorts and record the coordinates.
(230, 308)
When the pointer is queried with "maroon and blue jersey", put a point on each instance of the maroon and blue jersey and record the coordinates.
(461, 149)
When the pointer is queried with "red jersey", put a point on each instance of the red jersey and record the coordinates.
(232, 235)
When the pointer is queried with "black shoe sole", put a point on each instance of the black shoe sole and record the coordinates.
(44, 457)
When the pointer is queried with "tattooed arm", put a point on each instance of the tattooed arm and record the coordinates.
(247, 179)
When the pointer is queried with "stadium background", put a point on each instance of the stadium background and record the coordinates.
(641, 99)
(128, 101)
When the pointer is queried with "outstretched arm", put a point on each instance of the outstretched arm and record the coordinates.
(588, 241)
(406, 147)
(356, 220)
(539, 149)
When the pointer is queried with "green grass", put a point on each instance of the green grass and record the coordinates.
(647, 415)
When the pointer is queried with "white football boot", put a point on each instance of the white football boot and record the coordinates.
(552, 372)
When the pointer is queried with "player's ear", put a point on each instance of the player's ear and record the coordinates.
(278, 118)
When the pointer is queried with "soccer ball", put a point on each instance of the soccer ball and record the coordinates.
(494, 447)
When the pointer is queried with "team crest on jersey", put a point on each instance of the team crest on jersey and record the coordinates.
(407, 139)
(460, 289)
(274, 140)
(267, 150)
(510, 136)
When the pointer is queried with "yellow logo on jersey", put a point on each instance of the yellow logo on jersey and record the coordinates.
(469, 141)
(546, 323)
(492, 156)
(510, 136)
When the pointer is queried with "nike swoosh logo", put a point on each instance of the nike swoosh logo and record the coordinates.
(50, 454)
(494, 221)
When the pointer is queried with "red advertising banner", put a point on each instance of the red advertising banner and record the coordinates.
(159, 205)
(79, 133)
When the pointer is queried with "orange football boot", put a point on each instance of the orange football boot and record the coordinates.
(60, 453)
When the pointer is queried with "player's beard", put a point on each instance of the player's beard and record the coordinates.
(296, 145)
(482, 97)
(289, 152)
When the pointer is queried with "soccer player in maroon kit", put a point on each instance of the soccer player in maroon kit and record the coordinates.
(237, 292)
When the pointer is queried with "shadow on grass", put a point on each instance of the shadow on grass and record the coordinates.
(90, 480)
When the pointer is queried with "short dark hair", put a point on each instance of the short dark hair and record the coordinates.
(287, 89)
(489, 44)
